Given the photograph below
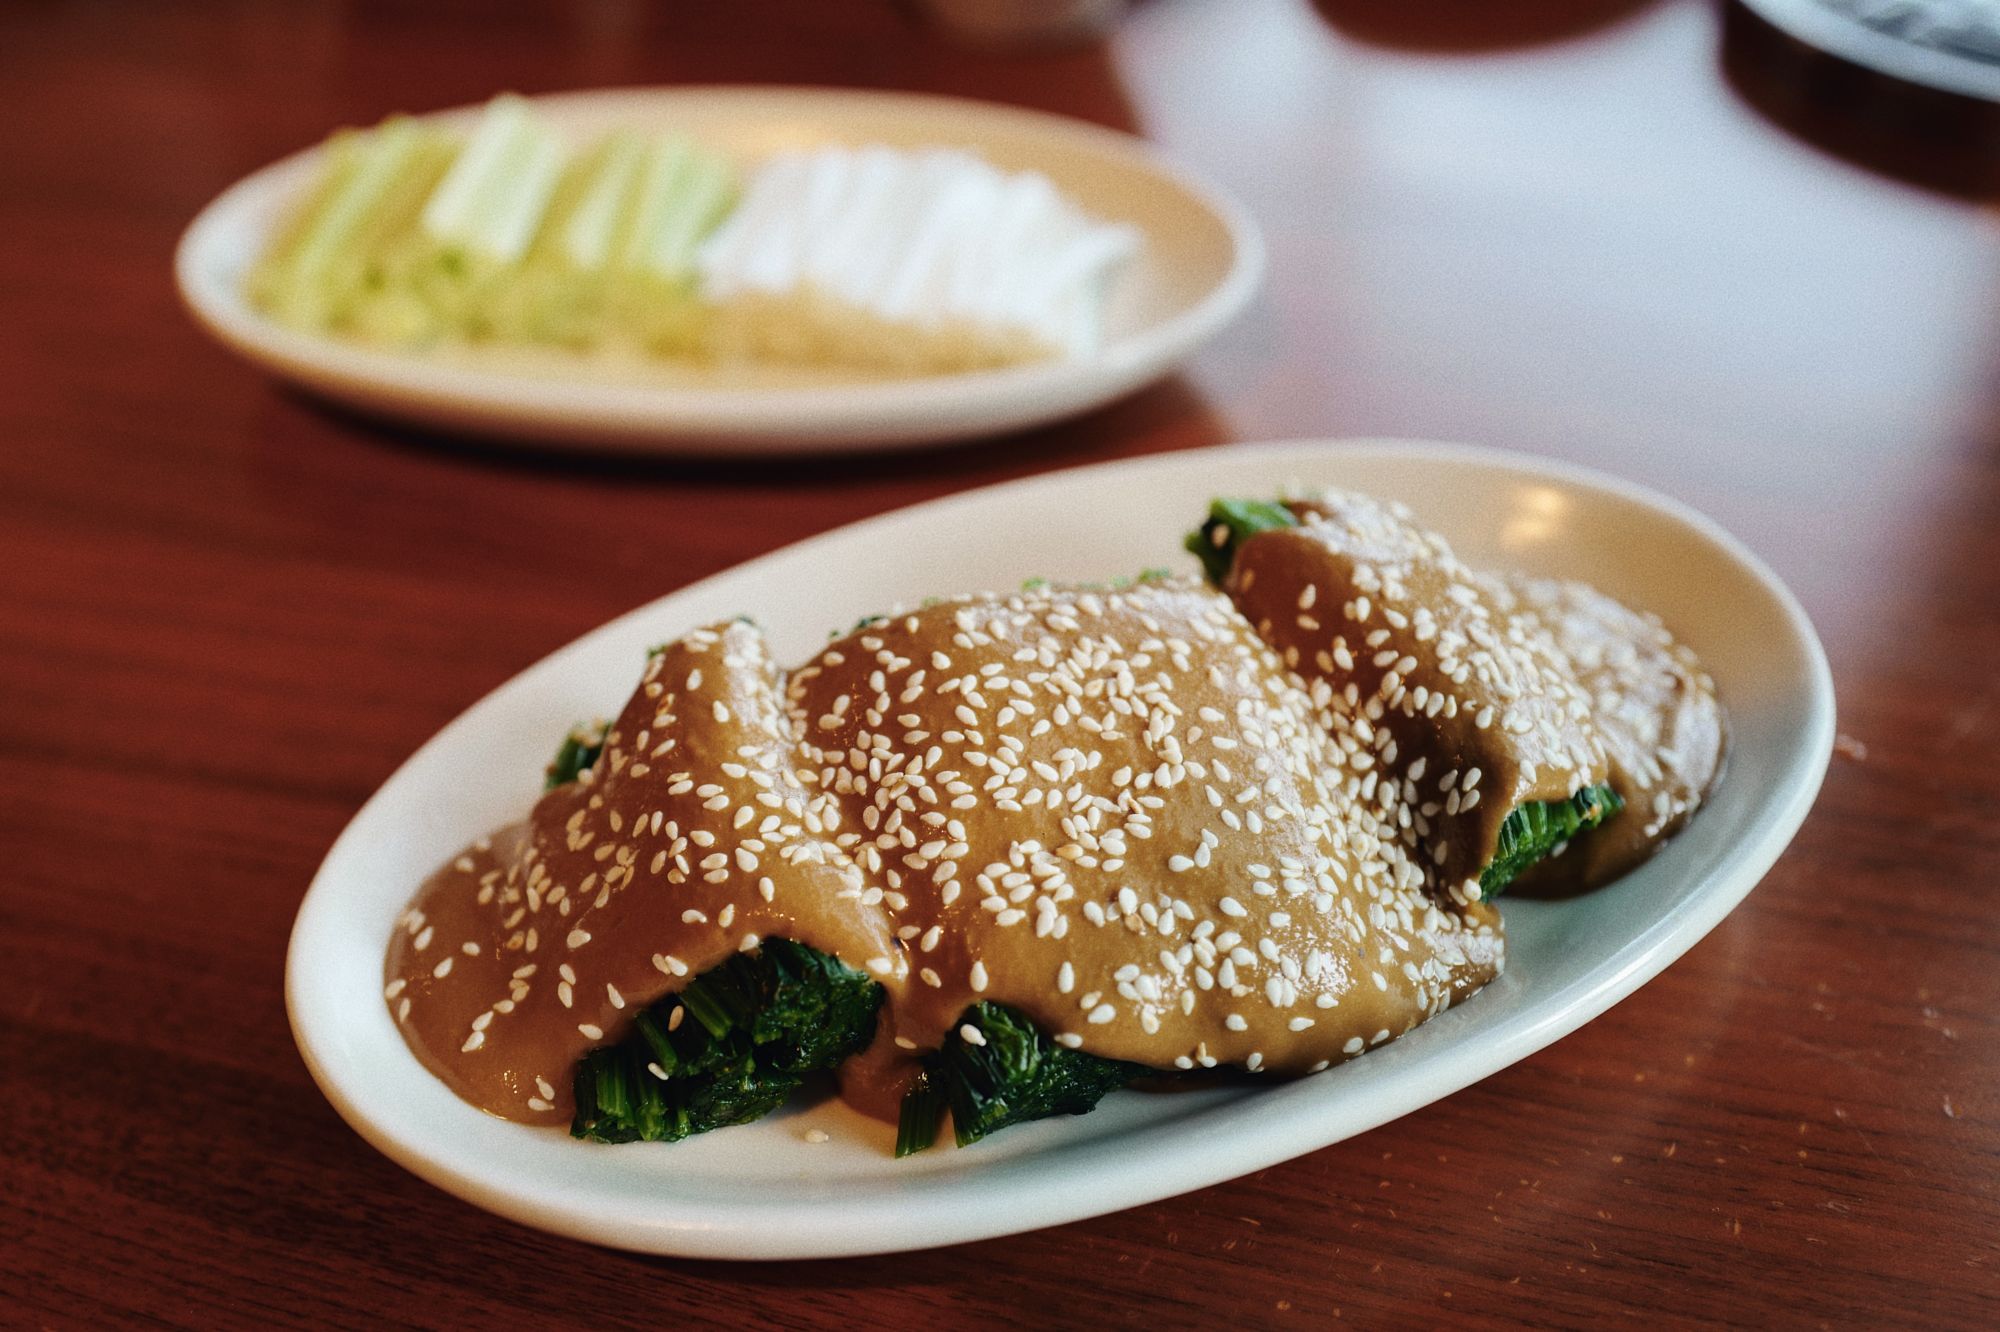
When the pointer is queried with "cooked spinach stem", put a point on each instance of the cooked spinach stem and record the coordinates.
(608, 1083)
(1230, 523)
(656, 1040)
(1014, 1073)
(705, 1002)
(1536, 829)
(579, 752)
(917, 1124)
(762, 1023)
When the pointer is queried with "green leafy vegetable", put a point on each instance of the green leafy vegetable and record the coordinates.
(917, 1124)
(1230, 523)
(1011, 1073)
(579, 751)
(1534, 830)
(731, 1047)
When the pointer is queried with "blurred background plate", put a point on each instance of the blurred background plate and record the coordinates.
(1952, 46)
(1202, 261)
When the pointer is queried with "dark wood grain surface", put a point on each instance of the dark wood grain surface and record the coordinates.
(1576, 229)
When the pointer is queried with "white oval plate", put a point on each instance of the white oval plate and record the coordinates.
(1203, 260)
(763, 1190)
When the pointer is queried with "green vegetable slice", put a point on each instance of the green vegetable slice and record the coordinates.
(1010, 1074)
(579, 752)
(1536, 829)
(917, 1124)
(731, 1047)
(1231, 522)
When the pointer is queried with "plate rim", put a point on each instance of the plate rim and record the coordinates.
(511, 408)
(1104, 1184)
(1845, 37)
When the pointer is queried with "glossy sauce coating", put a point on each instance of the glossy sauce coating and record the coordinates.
(1655, 712)
(1168, 833)
(1117, 812)
(689, 839)
(1113, 810)
(1470, 710)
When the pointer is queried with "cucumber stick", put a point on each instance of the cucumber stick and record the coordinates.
(412, 236)
(492, 201)
(330, 260)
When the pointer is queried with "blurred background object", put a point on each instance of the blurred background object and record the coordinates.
(1021, 22)
(1468, 26)
(1908, 88)
(1948, 44)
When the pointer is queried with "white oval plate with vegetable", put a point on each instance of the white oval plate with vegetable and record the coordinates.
(821, 1180)
(602, 220)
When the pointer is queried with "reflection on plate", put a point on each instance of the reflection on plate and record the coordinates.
(1201, 263)
(765, 1190)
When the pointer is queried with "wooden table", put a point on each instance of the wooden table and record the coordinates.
(226, 615)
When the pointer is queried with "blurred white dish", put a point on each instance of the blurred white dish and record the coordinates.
(1201, 263)
(763, 1190)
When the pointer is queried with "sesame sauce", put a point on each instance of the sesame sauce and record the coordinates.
(1163, 835)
